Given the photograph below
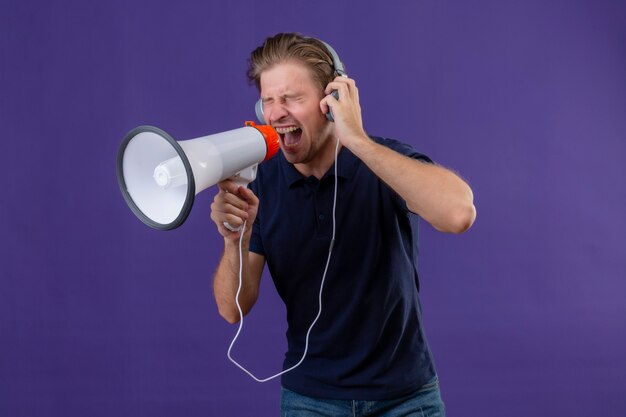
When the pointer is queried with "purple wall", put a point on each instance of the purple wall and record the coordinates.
(102, 316)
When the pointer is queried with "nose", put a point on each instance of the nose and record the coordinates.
(275, 112)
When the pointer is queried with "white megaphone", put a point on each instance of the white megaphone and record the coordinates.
(159, 177)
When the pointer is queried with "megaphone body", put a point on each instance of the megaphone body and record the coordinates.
(159, 177)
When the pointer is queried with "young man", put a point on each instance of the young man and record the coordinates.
(367, 351)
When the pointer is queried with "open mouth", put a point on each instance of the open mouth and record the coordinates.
(289, 136)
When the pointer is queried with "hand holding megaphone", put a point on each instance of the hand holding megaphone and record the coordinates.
(159, 177)
(242, 179)
(233, 206)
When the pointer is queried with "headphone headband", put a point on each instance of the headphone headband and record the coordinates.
(337, 64)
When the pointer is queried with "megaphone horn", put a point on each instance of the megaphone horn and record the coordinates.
(159, 177)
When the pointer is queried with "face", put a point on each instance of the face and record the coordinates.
(291, 104)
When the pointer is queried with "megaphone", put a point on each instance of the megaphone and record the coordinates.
(159, 177)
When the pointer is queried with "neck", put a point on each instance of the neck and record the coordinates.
(322, 162)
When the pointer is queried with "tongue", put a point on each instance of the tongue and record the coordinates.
(292, 138)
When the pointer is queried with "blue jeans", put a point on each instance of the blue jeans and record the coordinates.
(425, 402)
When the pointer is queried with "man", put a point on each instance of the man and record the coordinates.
(367, 353)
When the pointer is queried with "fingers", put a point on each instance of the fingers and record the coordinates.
(347, 106)
(233, 204)
(228, 204)
(348, 94)
(345, 86)
(228, 186)
(249, 197)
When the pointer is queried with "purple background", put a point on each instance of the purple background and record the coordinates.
(102, 316)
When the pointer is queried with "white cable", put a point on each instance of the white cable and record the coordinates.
(319, 313)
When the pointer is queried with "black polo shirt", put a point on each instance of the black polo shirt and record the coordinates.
(368, 343)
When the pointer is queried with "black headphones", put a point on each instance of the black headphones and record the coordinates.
(337, 66)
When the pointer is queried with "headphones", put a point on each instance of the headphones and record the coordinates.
(339, 70)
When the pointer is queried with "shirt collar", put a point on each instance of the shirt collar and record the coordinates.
(346, 166)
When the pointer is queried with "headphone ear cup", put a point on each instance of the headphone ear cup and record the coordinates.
(329, 115)
(258, 109)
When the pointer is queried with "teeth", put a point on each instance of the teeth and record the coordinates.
(283, 130)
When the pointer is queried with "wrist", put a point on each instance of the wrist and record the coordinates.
(233, 244)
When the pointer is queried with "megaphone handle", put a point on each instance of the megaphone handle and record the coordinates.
(242, 179)
(240, 183)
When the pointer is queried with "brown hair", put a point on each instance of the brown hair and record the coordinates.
(292, 46)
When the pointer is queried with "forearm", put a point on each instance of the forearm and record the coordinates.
(436, 194)
(439, 196)
(226, 282)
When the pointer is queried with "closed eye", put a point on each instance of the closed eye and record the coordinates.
(292, 98)
(283, 99)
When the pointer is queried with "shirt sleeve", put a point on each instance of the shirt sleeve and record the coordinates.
(406, 150)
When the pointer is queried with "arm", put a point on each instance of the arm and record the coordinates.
(234, 204)
(436, 194)
(226, 282)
